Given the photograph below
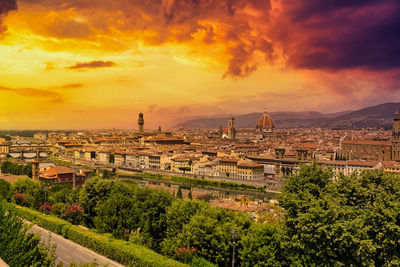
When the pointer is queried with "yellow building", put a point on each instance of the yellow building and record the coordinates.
(181, 164)
(4, 147)
(228, 167)
(391, 166)
(248, 171)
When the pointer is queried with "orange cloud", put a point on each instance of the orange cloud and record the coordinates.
(5, 7)
(33, 92)
(92, 65)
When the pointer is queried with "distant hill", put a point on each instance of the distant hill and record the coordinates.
(282, 120)
(374, 116)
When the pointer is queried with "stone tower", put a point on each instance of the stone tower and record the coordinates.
(396, 137)
(140, 122)
(231, 128)
(35, 170)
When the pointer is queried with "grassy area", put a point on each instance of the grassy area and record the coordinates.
(59, 161)
(121, 251)
(11, 178)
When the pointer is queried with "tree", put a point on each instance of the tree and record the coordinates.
(17, 169)
(179, 193)
(152, 205)
(117, 215)
(112, 158)
(209, 232)
(17, 247)
(34, 191)
(92, 194)
(190, 194)
(5, 188)
(179, 214)
(353, 221)
(106, 174)
(261, 246)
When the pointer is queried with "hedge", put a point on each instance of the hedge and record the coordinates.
(121, 251)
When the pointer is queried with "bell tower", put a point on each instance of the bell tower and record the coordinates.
(396, 136)
(140, 122)
(231, 127)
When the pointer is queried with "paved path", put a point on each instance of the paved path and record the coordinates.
(68, 251)
(3, 264)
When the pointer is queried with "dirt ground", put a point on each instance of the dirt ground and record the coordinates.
(10, 177)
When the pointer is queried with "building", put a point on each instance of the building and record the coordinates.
(181, 164)
(351, 166)
(228, 167)
(63, 175)
(4, 148)
(365, 150)
(373, 150)
(40, 136)
(391, 166)
(396, 137)
(230, 132)
(140, 122)
(265, 123)
(103, 157)
(248, 171)
(119, 158)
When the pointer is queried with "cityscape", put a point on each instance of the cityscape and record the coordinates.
(199, 133)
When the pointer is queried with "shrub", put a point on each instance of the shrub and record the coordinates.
(74, 214)
(59, 208)
(59, 195)
(185, 254)
(31, 187)
(45, 208)
(19, 198)
(93, 193)
(124, 252)
(17, 247)
(49, 222)
(17, 169)
(201, 262)
(4, 189)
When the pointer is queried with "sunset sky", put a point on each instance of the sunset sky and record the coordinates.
(97, 63)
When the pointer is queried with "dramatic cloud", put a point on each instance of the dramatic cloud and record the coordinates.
(340, 34)
(64, 28)
(33, 92)
(5, 7)
(231, 32)
(309, 34)
(325, 55)
(92, 65)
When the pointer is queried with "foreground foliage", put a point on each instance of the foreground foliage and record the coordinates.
(119, 250)
(348, 221)
(15, 168)
(354, 221)
(17, 247)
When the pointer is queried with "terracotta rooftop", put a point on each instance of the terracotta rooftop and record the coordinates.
(229, 160)
(367, 142)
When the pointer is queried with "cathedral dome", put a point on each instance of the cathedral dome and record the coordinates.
(265, 122)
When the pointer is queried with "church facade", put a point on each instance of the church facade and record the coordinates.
(373, 150)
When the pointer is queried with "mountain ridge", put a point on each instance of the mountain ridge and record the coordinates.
(380, 115)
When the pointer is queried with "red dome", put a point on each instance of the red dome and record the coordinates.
(265, 122)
